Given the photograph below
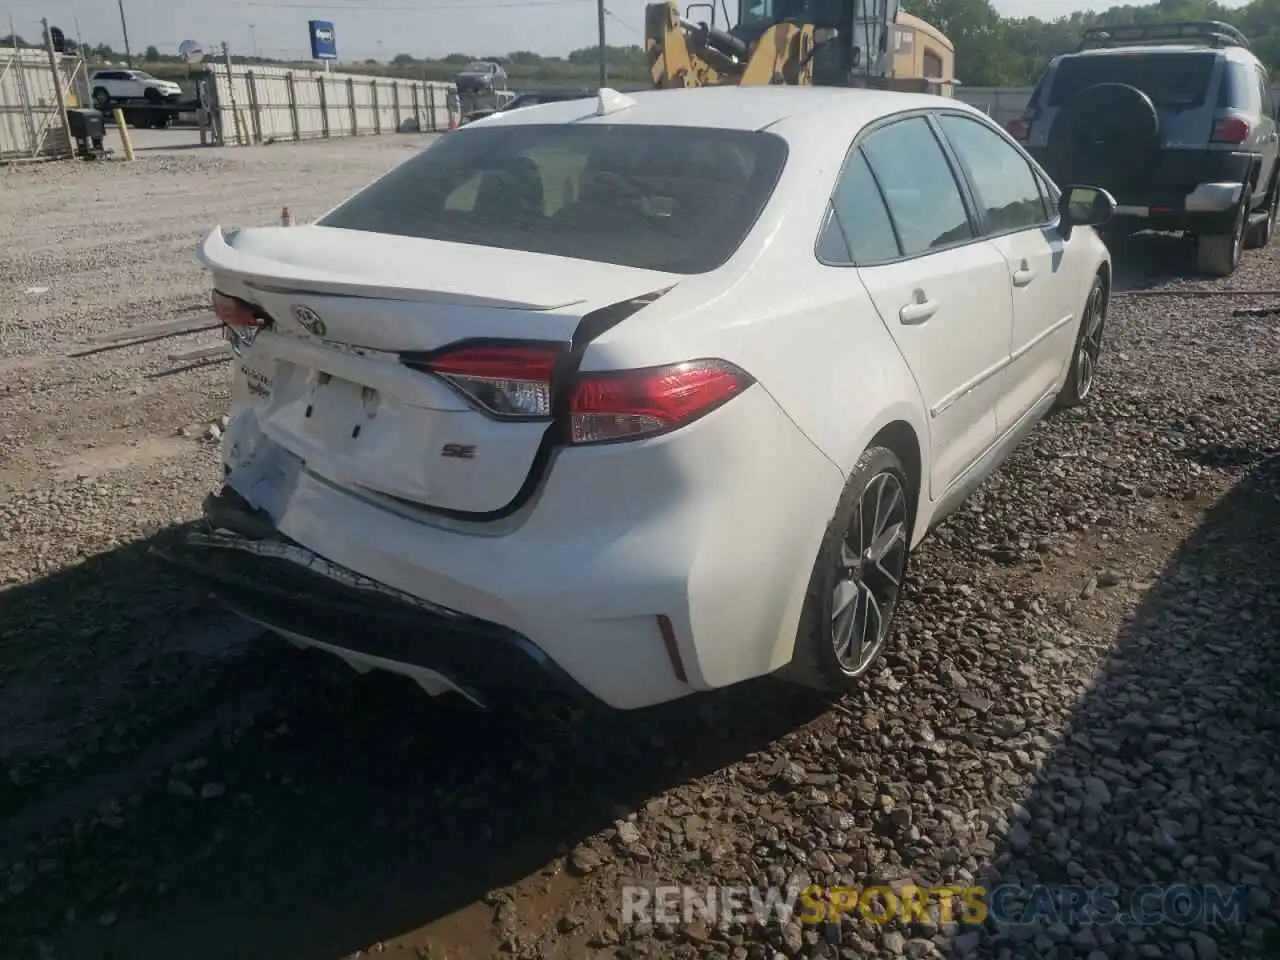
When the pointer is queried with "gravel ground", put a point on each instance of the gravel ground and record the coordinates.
(1082, 689)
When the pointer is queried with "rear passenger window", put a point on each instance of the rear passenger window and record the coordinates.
(1006, 186)
(1264, 88)
(858, 229)
(919, 188)
(1172, 80)
(1238, 90)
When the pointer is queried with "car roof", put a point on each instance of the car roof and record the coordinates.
(1138, 49)
(738, 108)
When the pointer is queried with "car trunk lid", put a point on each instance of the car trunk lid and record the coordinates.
(342, 379)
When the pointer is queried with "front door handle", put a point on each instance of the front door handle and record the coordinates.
(1023, 275)
(918, 310)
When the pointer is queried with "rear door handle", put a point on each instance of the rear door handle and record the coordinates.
(919, 310)
(1023, 276)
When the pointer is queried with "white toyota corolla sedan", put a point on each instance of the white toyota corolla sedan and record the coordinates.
(643, 395)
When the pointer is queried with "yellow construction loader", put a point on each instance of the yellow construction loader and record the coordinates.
(860, 43)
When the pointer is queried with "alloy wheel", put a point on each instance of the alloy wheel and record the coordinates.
(1090, 343)
(872, 560)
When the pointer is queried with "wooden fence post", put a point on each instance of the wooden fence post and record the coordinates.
(324, 106)
(253, 107)
(351, 106)
(293, 105)
(377, 112)
(417, 110)
(431, 106)
(395, 101)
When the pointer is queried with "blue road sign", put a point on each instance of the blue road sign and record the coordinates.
(324, 43)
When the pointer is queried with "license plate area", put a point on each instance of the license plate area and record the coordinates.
(337, 411)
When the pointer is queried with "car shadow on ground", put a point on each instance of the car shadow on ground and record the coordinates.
(372, 813)
(1169, 771)
(99, 660)
(347, 810)
(1146, 260)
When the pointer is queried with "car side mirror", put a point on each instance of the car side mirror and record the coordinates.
(1084, 207)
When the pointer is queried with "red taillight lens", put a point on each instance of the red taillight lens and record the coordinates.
(1230, 130)
(633, 404)
(235, 313)
(509, 381)
(1019, 129)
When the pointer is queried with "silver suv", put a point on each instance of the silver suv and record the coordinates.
(1176, 121)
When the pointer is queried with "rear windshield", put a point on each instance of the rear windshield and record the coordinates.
(676, 199)
(1173, 80)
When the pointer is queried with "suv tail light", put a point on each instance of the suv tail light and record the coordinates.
(508, 381)
(1230, 130)
(1019, 129)
(633, 404)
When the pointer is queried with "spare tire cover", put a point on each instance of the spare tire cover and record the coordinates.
(1105, 136)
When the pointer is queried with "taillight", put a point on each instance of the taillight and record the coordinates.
(1019, 129)
(505, 380)
(235, 313)
(633, 404)
(516, 382)
(1230, 130)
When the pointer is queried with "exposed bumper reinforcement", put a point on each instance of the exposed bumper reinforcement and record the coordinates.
(266, 577)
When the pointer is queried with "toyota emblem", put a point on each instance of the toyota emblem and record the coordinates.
(309, 319)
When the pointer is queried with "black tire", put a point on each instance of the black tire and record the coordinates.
(1088, 347)
(1218, 254)
(101, 99)
(1106, 135)
(879, 477)
(1259, 235)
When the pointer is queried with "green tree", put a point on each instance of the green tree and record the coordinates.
(997, 51)
(402, 60)
(151, 55)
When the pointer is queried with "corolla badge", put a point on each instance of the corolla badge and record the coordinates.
(309, 319)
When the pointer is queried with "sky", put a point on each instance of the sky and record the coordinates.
(377, 29)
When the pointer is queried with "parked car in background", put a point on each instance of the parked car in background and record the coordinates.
(108, 87)
(643, 395)
(481, 76)
(529, 99)
(1177, 121)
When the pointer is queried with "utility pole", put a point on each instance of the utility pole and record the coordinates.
(604, 63)
(55, 66)
(124, 28)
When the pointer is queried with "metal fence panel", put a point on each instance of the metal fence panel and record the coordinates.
(278, 103)
(31, 125)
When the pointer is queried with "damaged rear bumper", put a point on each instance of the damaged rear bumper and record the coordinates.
(265, 577)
